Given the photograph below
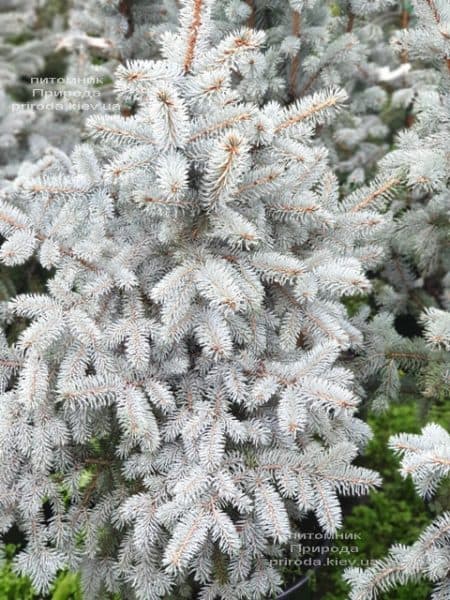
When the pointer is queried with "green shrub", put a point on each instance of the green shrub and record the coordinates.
(15, 587)
(392, 514)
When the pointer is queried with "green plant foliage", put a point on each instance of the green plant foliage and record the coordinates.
(67, 588)
(392, 514)
(16, 587)
(12, 586)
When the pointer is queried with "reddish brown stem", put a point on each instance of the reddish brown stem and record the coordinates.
(194, 29)
(434, 10)
(404, 19)
(293, 77)
(437, 18)
(350, 22)
(125, 11)
(251, 21)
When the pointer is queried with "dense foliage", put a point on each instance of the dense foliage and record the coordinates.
(230, 258)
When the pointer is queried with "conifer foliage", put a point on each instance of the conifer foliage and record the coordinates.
(187, 389)
(426, 457)
(176, 400)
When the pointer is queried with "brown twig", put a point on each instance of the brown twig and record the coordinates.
(434, 10)
(404, 23)
(314, 77)
(437, 18)
(350, 22)
(194, 29)
(384, 187)
(296, 28)
(314, 108)
(251, 21)
(125, 11)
